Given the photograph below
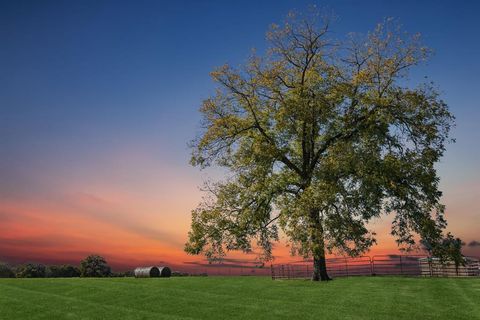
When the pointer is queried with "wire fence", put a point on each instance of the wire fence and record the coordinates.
(379, 266)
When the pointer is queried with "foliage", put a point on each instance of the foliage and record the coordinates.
(6, 271)
(321, 136)
(447, 249)
(31, 270)
(94, 266)
(63, 271)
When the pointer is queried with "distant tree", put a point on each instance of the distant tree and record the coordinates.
(447, 248)
(94, 266)
(31, 270)
(64, 271)
(6, 271)
(321, 137)
(474, 243)
(128, 273)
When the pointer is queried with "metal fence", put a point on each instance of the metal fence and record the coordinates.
(379, 266)
(433, 267)
(224, 270)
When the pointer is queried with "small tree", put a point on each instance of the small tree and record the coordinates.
(94, 266)
(6, 271)
(321, 137)
(31, 270)
(447, 249)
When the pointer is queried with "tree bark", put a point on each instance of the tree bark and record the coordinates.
(318, 248)
(320, 269)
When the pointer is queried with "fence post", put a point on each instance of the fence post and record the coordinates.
(346, 266)
(272, 272)
(401, 266)
(372, 265)
(430, 266)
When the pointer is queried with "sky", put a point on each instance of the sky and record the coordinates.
(99, 99)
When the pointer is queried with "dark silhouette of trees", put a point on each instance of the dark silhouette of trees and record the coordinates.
(31, 270)
(6, 271)
(63, 271)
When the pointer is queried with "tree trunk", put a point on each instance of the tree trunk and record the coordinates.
(318, 248)
(320, 269)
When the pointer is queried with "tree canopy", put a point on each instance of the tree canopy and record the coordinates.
(319, 137)
(94, 266)
(31, 270)
(6, 271)
(63, 271)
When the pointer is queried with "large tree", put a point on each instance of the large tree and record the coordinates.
(319, 137)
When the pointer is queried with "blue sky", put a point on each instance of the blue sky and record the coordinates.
(102, 95)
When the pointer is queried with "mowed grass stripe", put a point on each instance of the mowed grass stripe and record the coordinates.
(198, 300)
(188, 294)
(250, 298)
(76, 307)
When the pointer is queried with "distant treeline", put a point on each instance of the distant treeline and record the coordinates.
(91, 266)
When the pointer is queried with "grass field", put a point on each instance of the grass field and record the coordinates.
(240, 298)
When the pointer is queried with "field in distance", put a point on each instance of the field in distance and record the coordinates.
(240, 298)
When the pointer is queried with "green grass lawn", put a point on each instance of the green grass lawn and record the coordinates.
(240, 298)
